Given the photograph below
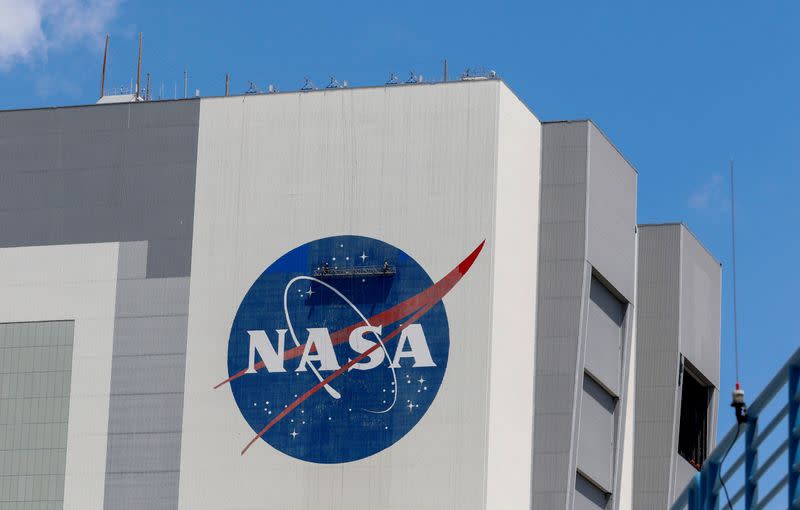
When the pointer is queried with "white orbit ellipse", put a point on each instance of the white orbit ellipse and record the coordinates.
(332, 391)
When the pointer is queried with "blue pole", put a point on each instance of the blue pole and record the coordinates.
(708, 479)
(794, 437)
(695, 494)
(750, 465)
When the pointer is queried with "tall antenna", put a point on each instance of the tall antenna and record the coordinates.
(185, 81)
(445, 69)
(103, 73)
(733, 251)
(737, 401)
(139, 68)
(227, 83)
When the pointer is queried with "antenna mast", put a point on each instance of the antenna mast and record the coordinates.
(139, 67)
(103, 73)
(733, 252)
(738, 402)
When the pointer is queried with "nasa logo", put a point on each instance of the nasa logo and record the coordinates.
(339, 348)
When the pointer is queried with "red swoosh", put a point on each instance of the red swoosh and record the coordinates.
(389, 316)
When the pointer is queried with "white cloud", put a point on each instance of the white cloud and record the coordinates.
(30, 29)
(710, 195)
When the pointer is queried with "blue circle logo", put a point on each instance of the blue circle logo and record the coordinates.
(339, 348)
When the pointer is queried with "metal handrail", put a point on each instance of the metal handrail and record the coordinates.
(703, 491)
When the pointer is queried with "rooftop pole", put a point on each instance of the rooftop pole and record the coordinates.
(103, 72)
(139, 67)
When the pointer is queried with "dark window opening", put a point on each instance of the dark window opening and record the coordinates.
(693, 432)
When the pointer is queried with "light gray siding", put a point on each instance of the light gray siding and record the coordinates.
(656, 363)
(146, 402)
(586, 275)
(611, 218)
(562, 268)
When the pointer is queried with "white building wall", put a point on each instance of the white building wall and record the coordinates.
(416, 167)
(72, 282)
(513, 306)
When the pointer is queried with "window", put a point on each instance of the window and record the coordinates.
(693, 432)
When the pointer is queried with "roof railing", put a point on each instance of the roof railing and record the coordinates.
(763, 439)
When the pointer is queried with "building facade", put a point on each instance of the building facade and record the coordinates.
(401, 297)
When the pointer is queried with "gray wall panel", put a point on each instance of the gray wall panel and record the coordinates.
(147, 377)
(596, 437)
(611, 218)
(587, 227)
(153, 297)
(657, 346)
(121, 172)
(561, 278)
(678, 315)
(145, 413)
(148, 373)
(604, 338)
(700, 307)
(151, 335)
(587, 495)
(143, 452)
(154, 491)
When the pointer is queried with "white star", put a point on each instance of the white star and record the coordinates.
(347, 258)
(309, 291)
(421, 380)
(363, 256)
(334, 259)
(410, 407)
(294, 434)
(341, 246)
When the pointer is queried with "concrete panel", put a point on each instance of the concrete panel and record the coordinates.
(611, 218)
(101, 173)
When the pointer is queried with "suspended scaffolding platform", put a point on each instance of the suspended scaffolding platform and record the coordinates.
(355, 272)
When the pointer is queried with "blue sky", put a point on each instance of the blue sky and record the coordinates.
(680, 88)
